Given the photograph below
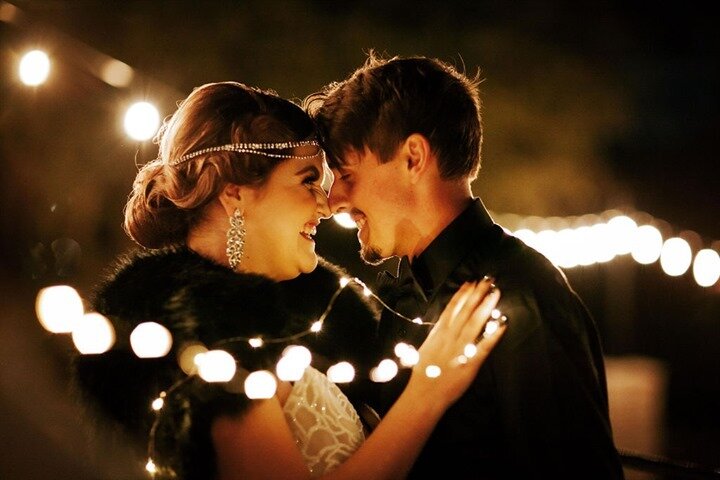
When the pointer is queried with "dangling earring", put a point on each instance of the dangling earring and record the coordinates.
(235, 239)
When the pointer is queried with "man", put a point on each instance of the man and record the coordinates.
(404, 137)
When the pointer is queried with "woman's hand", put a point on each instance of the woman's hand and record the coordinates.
(453, 348)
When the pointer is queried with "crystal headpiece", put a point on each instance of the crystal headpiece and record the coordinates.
(256, 148)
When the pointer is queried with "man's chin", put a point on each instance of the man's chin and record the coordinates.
(371, 255)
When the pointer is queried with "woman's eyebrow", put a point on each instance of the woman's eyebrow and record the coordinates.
(308, 169)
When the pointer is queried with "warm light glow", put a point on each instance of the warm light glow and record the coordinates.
(490, 328)
(341, 372)
(647, 244)
(116, 73)
(384, 372)
(142, 121)
(470, 350)
(366, 291)
(150, 340)
(256, 342)
(59, 308)
(157, 404)
(527, 236)
(675, 256)
(433, 371)
(34, 68)
(291, 366)
(622, 233)
(417, 320)
(187, 358)
(407, 354)
(546, 243)
(93, 334)
(344, 281)
(344, 220)
(216, 366)
(150, 466)
(602, 243)
(260, 384)
(706, 267)
(316, 327)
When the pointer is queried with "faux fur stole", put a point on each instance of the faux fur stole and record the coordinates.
(199, 300)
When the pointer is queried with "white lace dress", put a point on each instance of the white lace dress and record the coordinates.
(326, 427)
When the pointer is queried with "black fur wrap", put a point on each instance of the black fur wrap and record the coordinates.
(201, 301)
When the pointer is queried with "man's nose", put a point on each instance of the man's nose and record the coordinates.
(337, 198)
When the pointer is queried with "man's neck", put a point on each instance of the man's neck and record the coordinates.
(439, 210)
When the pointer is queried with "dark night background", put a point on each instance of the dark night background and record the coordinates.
(587, 106)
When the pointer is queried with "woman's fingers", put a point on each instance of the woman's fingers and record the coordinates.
(477, 320)
(463, 303)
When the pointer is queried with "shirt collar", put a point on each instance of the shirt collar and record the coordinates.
(439, 259)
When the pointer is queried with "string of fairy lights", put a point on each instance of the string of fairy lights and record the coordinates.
(60, 309)
(569, 242)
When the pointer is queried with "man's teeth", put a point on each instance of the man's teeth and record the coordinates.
(309, 231)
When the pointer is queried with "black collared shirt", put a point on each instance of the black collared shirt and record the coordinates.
(538, 407)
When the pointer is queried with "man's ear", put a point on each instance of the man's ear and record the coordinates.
(233, 197)
(418, 155)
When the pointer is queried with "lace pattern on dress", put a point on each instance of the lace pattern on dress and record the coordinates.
(326, 427)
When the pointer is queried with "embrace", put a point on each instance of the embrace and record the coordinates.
(225, 220)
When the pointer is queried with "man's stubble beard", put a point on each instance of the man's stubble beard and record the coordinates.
(371, 255)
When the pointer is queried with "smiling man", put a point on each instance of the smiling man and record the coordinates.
(404, 137)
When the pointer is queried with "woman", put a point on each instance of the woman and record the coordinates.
(227, 215)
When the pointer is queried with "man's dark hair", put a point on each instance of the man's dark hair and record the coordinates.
(386, 100)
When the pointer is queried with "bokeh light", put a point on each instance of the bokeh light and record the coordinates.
(675, 256)
(93, 334)
(59, 308)
(260, 384)
(34, 68)
(342, 372)
(706, 267)
(150, 340)
(291, 366)
(344, 220)
(647, 244)
(384, 372)
(216, 366)
(142, 121)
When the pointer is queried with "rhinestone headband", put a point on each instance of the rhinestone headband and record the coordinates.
(255, 148)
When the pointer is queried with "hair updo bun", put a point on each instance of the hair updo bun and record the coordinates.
(166, 200)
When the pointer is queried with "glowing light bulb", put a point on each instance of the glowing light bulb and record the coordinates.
(647, 244)
(93, 334)
(150, 466)
(344, 220)
(260, 384)
(256, 342)
(384, 372)
(316, 327)
(142, 121)
(344, 281)
(417, 320)
(675, 256)
(292, 364)
(706, 267)
(34, 68)
(433, 371)
(470, 350)
(59, 308)
(216, 366)
(157, 404)
(150, 340)
(342, 372)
